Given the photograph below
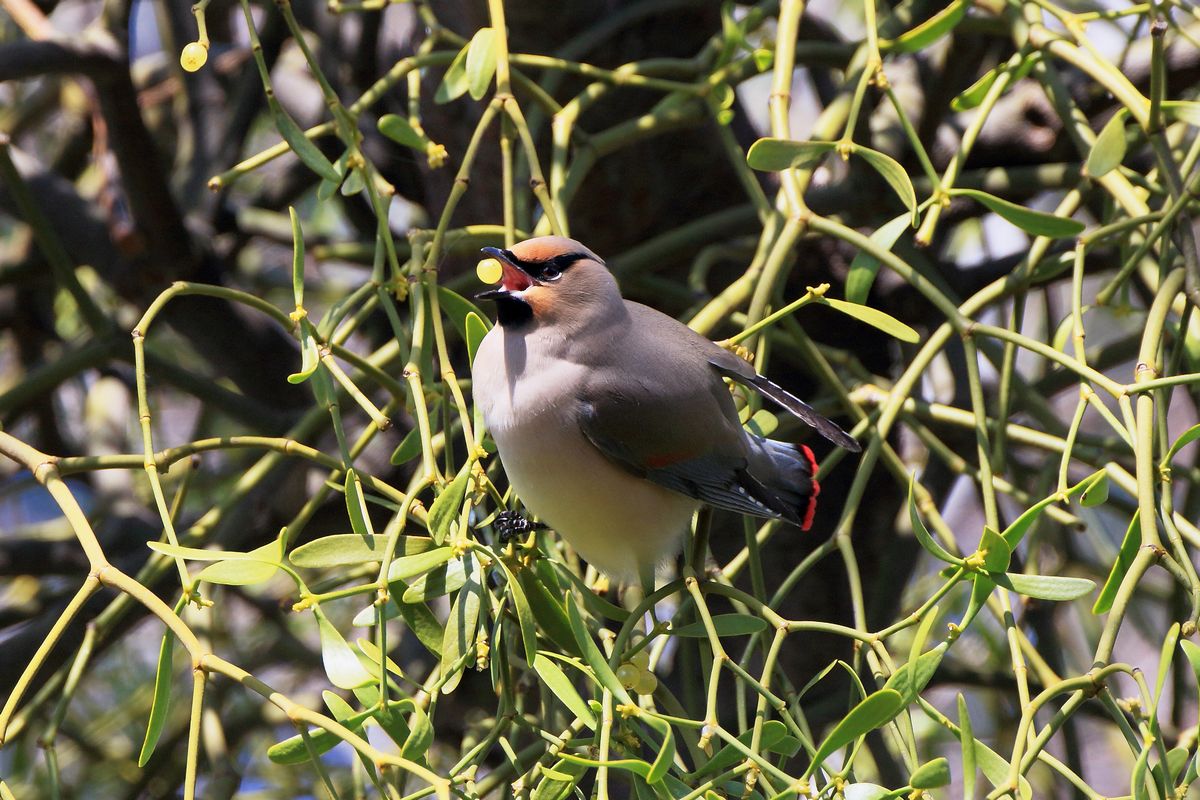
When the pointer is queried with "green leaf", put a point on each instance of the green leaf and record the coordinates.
(866, 791)
(310, 355)
(910, 680)
(1189, 436)
(1165, 655)
(592, 656)
(558, 781)
(292, 750)
(441, 580)
(931, 774)
(776, 155)
(371, 651)
(356, 505)
(634, 765)
(342, 666)
(728, 756)
(725, 625)
(562, 688)
(548, 611)
(995, 769)
(966, 735)
(996, 552)
(865, 266)
(914, 650)
(161, 704)
(297, 258)
(476, 329)
(1044, 587)
(973, 95)
(874, 711)
(454, 83)
(922, 533)
(424, 624)
(1192, 651)
(1015, 532)
(1108, 151)
(481, 62)
(1137, 780)
(457, 308)
(1129, 548)
(1183, 110)
(305, 150)
(409, 447)
(417, 564)
(524, 614)
(260, 565)
(348, 549)
(461, 629)
(930, 30)
(763, 423)
(891, 171)
(875, 318)
(666, 751)
(401, 131)
(447, 506)
(1096, 493)
(1033, 222)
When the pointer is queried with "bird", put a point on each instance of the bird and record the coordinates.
(613, 421)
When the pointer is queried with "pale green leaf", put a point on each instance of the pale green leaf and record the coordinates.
(1056, 588)
(865, 266)
(260, 565)
(775, 155)
(477, 328)
(341, 663)
(562, 688)
(875, 318)
(161, 703)
(454, 83)
(891, 171)
(932, 29)
(481, 62)
(1129, 548)
(301, 145)
(1037, 223)
(345, 549)
(446, 507)
(401, 131)
(873, 712)
(931, 774)
(1108, 151)
(921, 532)
(724, 625)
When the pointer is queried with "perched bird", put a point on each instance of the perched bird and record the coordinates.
(613, 421)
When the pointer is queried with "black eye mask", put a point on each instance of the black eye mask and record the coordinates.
(547, 269)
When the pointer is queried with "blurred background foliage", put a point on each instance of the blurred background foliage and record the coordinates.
(283, 202)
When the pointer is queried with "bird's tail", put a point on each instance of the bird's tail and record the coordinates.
(786, 476)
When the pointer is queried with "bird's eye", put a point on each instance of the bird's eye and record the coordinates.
(550, 273)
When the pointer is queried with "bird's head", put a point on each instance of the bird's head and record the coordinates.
(551, 279)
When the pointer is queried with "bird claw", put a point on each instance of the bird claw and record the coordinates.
(511, 524)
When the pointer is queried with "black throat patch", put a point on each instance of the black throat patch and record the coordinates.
(512, 312)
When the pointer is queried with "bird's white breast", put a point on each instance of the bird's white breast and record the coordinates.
(528, 398)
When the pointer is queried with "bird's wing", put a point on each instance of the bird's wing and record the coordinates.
(687, 441)
(730, 366)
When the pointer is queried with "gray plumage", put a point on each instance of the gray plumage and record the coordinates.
(613, 420)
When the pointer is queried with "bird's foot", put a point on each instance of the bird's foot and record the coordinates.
(511, 524)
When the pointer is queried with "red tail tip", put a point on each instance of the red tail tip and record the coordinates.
(816, 488)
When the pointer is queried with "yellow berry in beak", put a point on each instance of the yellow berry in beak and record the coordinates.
(489, 270)
(193, 57)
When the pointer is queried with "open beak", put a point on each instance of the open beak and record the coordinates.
(514, 278)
